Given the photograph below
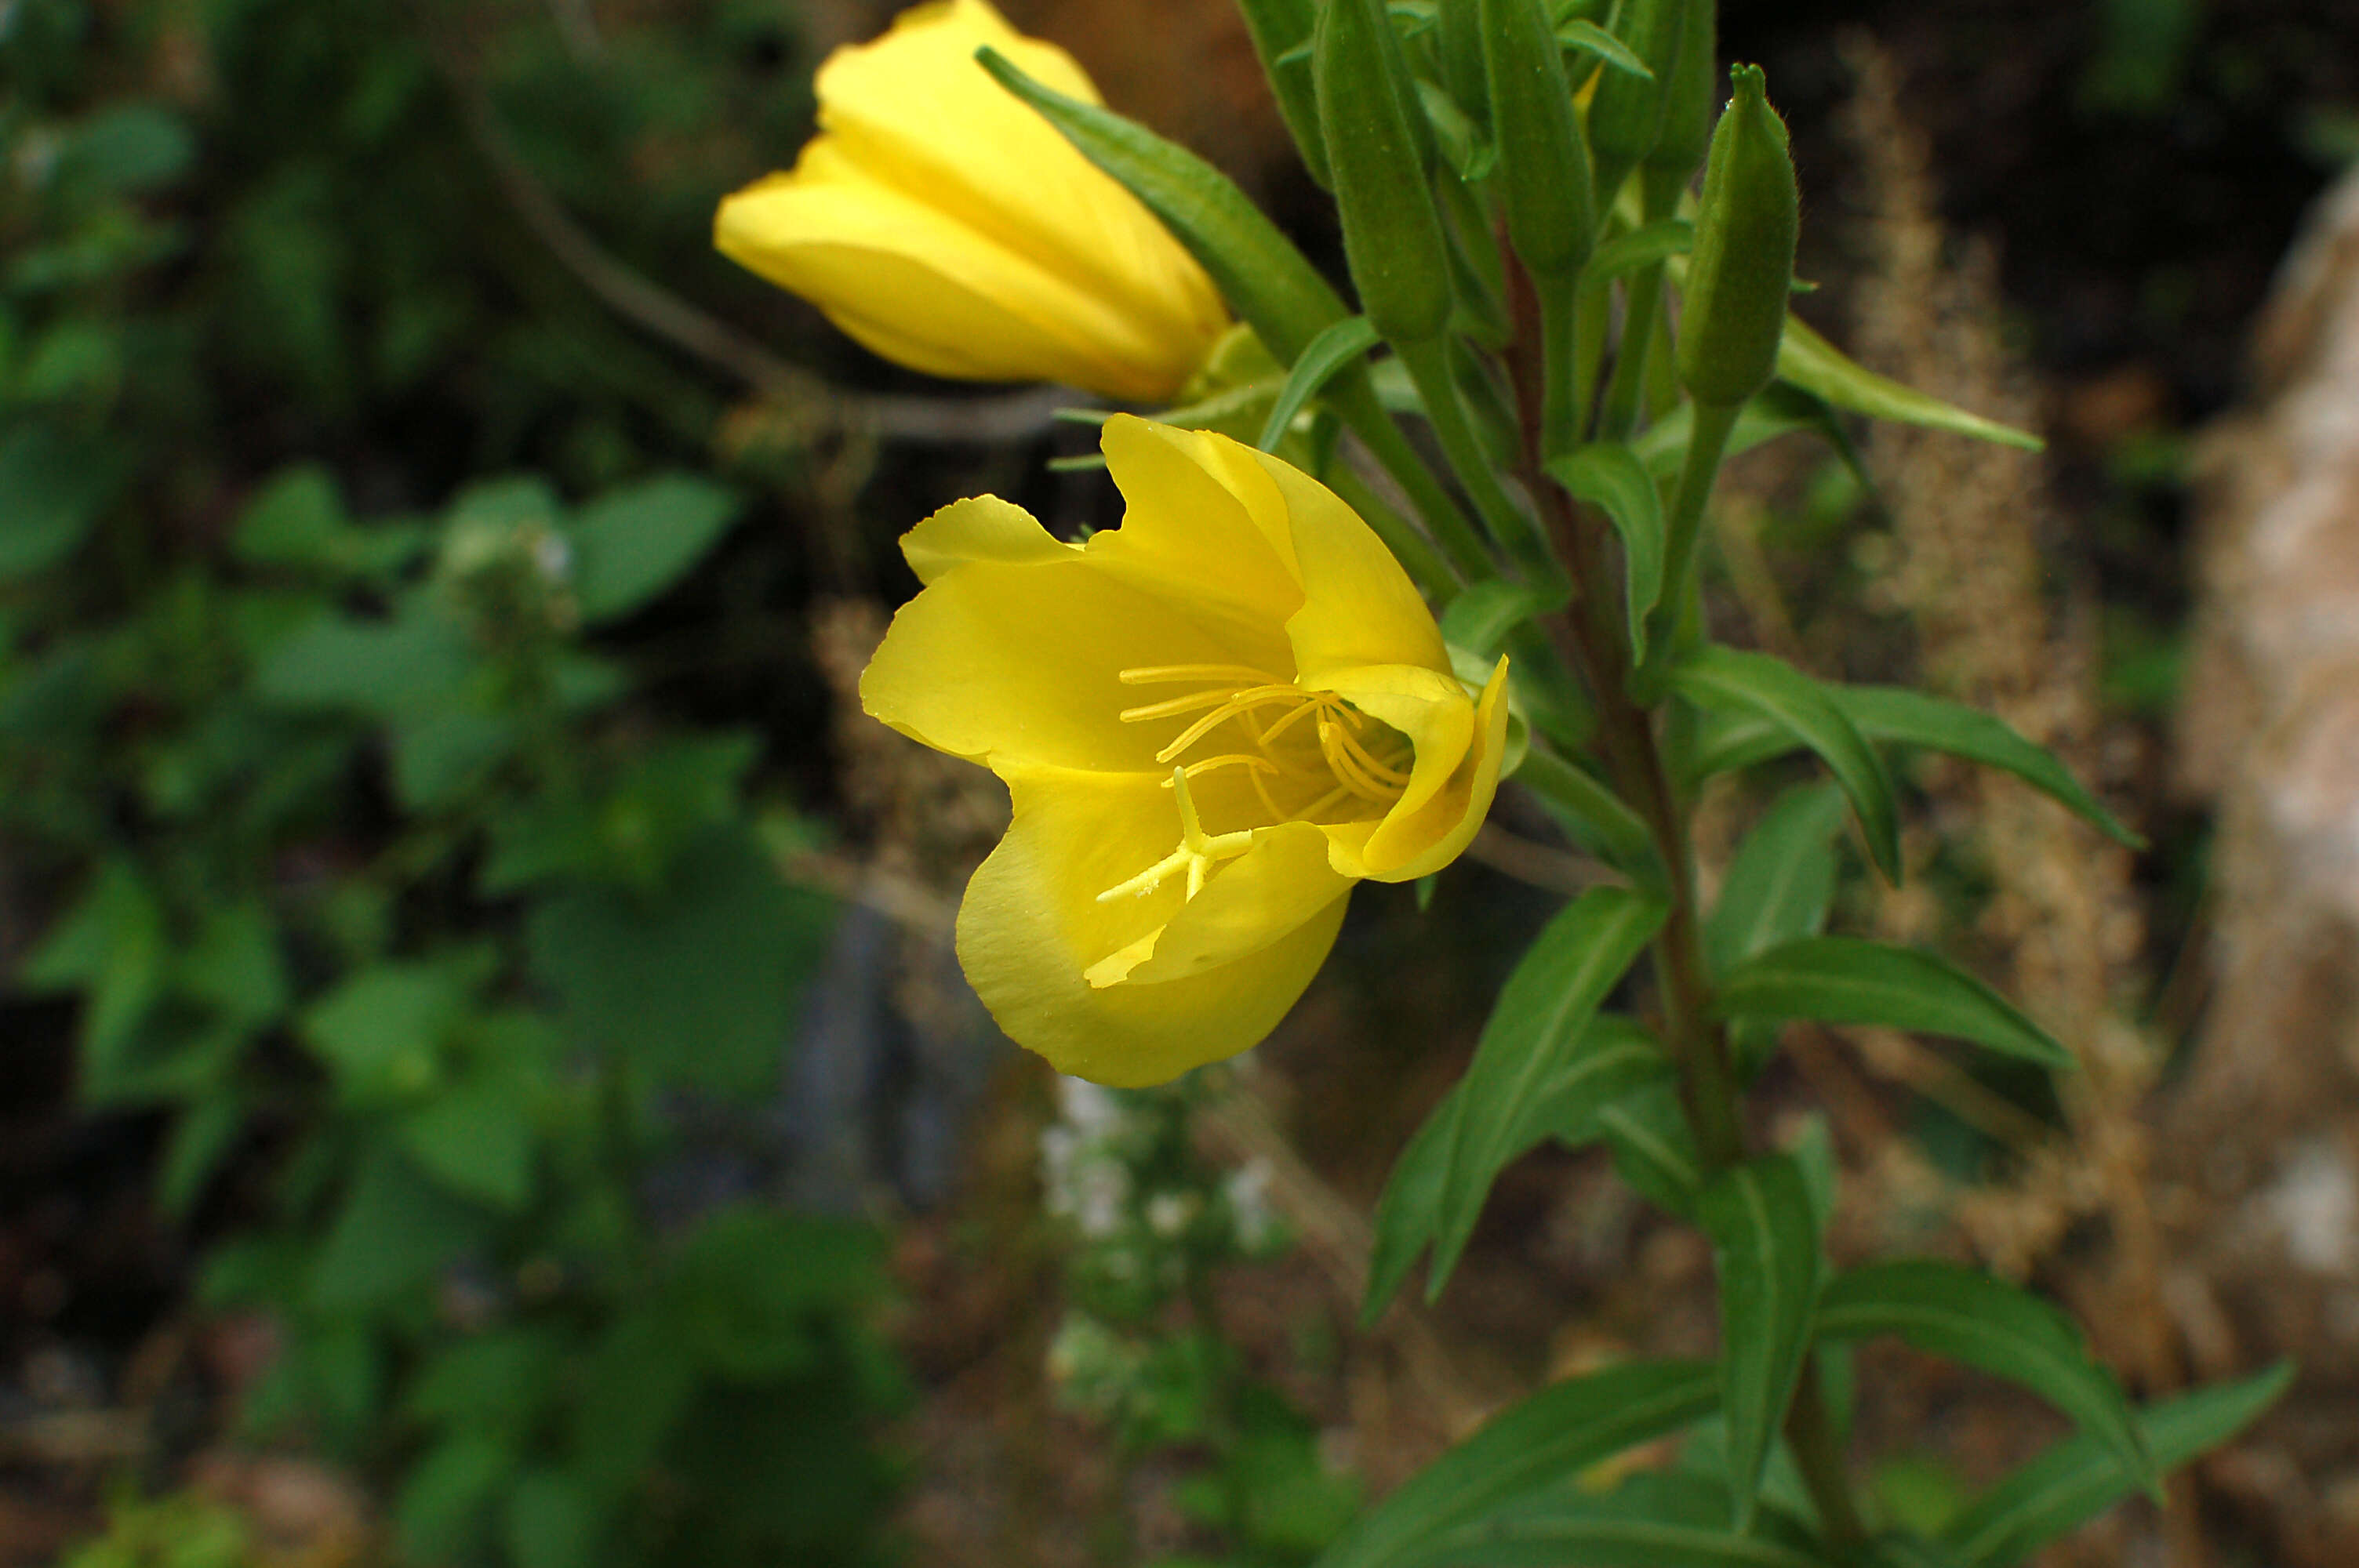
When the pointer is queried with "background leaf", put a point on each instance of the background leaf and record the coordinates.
(1571, 966)
(1767, 688)
(1985, 1322)
(1765, 1236)
(1845, 979)
(2081, 1478)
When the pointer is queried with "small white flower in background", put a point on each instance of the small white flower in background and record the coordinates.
(1090, 1110)
(1168, 1215)
(1247, 1190)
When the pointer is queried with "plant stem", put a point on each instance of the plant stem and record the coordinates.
(1645, 297)
(1429, 366)
(1595, 640)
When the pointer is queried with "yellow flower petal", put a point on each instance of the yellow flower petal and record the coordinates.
(1426, 831)
(1014, 662)
(943, 223)
(915, 287)
(1359, 607)
(1031, 925)
(1200, 520)
(981, 528)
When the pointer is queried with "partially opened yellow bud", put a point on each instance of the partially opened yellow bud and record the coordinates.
(1213, 722)
(948, 227)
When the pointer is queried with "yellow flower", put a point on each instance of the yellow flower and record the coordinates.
(1212, 720)
(943, 224)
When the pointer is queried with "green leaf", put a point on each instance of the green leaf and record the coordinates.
(1654, 1148)
(2081, 1478)
(552, 1520)
(1257, 270)
(1845, 979)
(1985, 1322)
(1588, 38)
(475, 1137)
(1642, 246)
(1781, 882)
(1729, 679)
(1765, 1232)
(695, 981)
(1818, 367)
(1539, 1445)
(1484, 613)
(295, 520)
(235, 965)
(1609, 476)
(1577, 959)
(396, 1231)
(635, 1388)
(501, 1379)
(201, 1140)
(382, 668)
(1896, 714)
(128, 149)
(1778, 409)
(444, 1500)
(1656, 1521)
(749, 1281)
(1609, 1057)
(54, 483)
(1327, 354)
(633, 543)
(382, 1031)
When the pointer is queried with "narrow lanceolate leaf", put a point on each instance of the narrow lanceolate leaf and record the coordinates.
(1257, 270)
(1587, 37)
(1731, 680)
(1655, 242)
(1578, 959)
(1281, 36)
(1764, 1234)
(1535, 1446)
(1606, 1061)
(1845, 979)
(1331, 352)
(1658, 1521)
(1985, 1322)
(1654, 1149)
(1781, 881)
(1896, 714)
(1609, 476)
(2081, 1478)
(1817, 366)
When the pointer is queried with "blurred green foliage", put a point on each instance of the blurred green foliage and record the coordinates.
(334, 511)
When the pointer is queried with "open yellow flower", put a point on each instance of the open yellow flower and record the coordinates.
(1212, 720)
(946, 226)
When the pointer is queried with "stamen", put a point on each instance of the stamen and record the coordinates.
(1243, 701)
(1155, 675)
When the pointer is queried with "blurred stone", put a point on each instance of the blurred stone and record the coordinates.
(2262, 1138)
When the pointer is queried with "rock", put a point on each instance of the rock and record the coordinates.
(2261, 1138)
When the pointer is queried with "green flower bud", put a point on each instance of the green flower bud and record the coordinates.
(1280, 28)
(1743, 266)
(1625, 117)
(1392, 234)
(1687, 99)
(1543, 179)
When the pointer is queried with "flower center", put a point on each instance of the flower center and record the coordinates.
(1310, 754)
